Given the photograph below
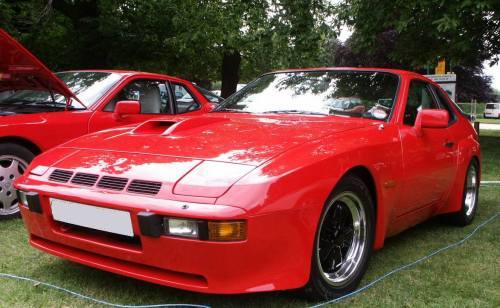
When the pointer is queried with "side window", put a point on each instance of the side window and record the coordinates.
(419, 97)
(152, 94)
(184, 100)
(444, 103)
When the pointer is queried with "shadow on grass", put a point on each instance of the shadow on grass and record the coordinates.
(401, 249)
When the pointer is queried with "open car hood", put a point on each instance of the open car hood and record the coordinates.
(21, 70)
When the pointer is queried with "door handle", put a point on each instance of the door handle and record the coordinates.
(449, 144)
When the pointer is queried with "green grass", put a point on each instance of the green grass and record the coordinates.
(466, 276)
(467, 108)
(490, 148)
(489, 121)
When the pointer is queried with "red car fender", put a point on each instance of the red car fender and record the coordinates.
(467, 149)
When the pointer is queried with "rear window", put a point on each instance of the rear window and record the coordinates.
(491, 106)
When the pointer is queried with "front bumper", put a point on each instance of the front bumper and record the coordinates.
(275, 255)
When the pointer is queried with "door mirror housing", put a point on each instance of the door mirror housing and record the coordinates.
(431, 118)
(127, 107)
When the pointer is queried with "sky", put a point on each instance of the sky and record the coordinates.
(493, 71)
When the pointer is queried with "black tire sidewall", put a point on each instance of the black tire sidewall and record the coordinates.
(318, 287)
(22, 153)
(463, 218)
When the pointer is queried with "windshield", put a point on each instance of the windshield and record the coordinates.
(89, 87)
(346, 93)
(209, 95)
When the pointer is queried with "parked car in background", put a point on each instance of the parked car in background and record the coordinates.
(274, 190)
(492, 110)
(40, 109)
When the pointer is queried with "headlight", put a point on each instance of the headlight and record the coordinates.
(156, 225)
(211, 179)
(181, 227)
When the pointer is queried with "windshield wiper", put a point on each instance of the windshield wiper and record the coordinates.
(230, 110)
(293, 111)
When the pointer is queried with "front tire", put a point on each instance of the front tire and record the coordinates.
(470, 196)
(344, 241)
(14, 160)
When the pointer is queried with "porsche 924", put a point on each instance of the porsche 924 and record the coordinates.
(283, 186)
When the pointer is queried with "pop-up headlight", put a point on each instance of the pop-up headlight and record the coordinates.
(211, 179)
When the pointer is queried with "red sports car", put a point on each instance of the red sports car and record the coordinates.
(278, 188)
(39, 109)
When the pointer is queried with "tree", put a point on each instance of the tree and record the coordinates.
(414, 34)
(200, 40)
(471, 83)
(464, 32)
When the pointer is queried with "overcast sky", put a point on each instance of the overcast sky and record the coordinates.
(494, 72)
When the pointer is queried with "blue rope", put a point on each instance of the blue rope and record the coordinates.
(440, 250)
(354, 293)
(102, 302)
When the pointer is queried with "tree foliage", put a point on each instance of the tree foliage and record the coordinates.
(412, 35)
(465, 32)
(189, 38)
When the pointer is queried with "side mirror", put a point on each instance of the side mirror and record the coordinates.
(431, 118)
(127, 107)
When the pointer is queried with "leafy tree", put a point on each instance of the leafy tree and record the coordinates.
(471, 83)
(414, 34)
(464, 32)
(200, 40)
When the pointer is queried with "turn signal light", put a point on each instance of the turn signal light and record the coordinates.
(227, 230)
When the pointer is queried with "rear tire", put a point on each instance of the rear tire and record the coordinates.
(470, 196)
(344, 241)
(14, 160)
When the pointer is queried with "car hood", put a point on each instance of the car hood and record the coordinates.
(239, 139)
(21, 70)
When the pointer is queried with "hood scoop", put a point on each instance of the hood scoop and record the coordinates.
(169, 128)
(191, 123)
(153, 127)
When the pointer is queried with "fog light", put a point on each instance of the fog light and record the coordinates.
(21, 196)
(227, 230)
(181, 227)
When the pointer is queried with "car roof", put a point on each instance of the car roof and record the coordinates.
(362, 69)
(125, 73)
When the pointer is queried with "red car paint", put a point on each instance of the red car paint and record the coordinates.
(283, 169)
(20, 70)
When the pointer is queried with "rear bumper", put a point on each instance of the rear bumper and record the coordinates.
(275, 256)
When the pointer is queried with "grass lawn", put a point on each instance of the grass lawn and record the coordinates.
(468, 275)
(467, 108)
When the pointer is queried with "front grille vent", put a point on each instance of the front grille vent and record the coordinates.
(144, 187)
(85, 179)
(59, 175)
(113, 183)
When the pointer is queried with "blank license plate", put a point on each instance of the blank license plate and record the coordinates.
(93, 217)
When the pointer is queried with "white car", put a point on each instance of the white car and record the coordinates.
(492, 110)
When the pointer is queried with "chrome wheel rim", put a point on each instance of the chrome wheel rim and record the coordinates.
(11, 168)
(471, 190)
(341, 241)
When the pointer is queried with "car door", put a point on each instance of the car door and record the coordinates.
(185, 99)
(429, 159)
(153, 95)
